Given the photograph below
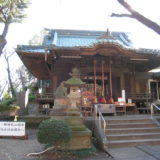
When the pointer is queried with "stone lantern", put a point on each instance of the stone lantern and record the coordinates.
(70, 113)
(74, 84)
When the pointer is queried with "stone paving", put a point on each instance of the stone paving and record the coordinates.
(132, 153)
(12, 149)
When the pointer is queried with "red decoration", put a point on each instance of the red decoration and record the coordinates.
(111, 100)
(103, 100)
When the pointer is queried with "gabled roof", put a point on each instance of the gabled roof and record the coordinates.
(75, 39)
(77, 43)
(83, 38)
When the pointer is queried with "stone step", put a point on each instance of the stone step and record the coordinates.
(131, 125)
(133, 136)
(118, 121)
(132, 130)
(131, 143)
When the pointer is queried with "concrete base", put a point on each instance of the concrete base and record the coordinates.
(80, 140)
(81, 136)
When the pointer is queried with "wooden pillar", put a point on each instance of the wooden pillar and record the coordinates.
(95, 77)
(102, 78)
(122, 81)
(111, 94)
(53, 85)
(133, 84)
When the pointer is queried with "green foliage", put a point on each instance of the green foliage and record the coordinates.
(12, 10)
(32, 122)
(4, 108)
(81, 153)
(54, 131)
(5, 104)
(7, 96)
(7, 118)
(32, 97)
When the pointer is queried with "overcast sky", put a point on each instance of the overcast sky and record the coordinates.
(85, 15)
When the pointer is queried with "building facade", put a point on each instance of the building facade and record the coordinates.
(107, 61)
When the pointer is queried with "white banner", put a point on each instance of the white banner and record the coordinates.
(12, 128)
(124, 95)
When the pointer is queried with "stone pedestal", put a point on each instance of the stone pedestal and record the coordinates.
(66, 109)
(81, 136)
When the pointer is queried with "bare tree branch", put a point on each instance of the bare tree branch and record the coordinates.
(134, 14)
(9, 74)
(121, 15)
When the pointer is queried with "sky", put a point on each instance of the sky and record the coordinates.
(84, 15)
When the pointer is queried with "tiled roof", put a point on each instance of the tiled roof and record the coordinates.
(71, 39)
(79, 38)
(30, 48)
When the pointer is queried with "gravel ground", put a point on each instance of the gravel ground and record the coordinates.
(15, 149)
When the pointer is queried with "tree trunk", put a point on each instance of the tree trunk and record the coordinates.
(2, 90)
(3, 37)
(22, 81)
(9, 77)
(2, 44)
(5, 30)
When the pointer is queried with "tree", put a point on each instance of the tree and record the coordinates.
(24, 78)
(7, 56)
(38, 39)
(139, 17)
(2, 89)
(11, 11)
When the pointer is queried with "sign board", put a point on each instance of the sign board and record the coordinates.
(129, 100)
(120, 99)
(124, 95)
(9, 128)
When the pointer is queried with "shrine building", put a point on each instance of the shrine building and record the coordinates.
(108, 62)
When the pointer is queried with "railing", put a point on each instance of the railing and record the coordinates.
(101, 124)
(140, 96)
(100, 121)
(152, 109)
(45, 96)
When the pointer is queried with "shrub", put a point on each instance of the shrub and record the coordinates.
(8, 101)
(32, 97)
(52, 131)
(33, 122)
(4, 105)
(82, 153)
(7, 96)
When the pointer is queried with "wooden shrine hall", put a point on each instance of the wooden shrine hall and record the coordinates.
(107, 61)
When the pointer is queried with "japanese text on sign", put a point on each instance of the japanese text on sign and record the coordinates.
(12, 128)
